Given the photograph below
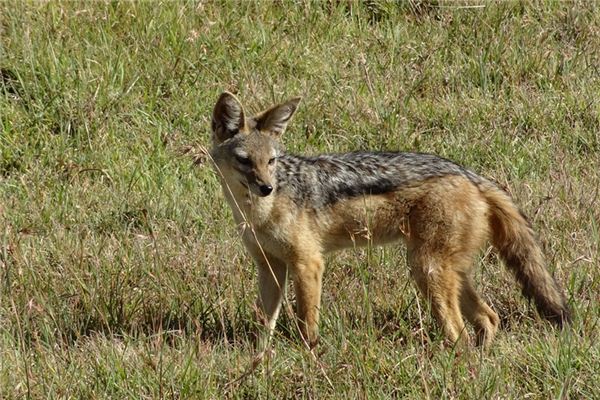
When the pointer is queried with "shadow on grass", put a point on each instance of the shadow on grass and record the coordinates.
(33, 328)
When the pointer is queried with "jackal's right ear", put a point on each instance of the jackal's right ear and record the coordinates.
(275, 119)
(228, 117)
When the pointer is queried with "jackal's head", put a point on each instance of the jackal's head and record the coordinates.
(245, 150)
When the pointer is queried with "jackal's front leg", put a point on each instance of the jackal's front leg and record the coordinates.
(307, 284)
(272, 279)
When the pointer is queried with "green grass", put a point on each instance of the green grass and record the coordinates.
(121, 272)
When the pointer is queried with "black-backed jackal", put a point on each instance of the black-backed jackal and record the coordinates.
(296, 208)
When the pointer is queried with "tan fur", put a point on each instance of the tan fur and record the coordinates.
(444, 221)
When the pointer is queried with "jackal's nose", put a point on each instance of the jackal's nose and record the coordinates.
(266, 190)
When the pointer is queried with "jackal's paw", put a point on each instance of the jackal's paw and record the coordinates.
(261, 356)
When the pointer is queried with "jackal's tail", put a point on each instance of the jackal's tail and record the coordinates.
(513, 237)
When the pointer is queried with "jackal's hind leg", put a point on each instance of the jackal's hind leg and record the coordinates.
(441, 286)
(479, 314)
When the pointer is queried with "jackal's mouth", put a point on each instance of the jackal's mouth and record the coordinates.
(243, 184)
(259, 191)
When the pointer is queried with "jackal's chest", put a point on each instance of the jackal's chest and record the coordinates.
(272, 241)
(275, 229)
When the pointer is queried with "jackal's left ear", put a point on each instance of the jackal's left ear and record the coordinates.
(228, 117)
(275, 119)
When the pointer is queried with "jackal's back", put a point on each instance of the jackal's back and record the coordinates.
(323, 180)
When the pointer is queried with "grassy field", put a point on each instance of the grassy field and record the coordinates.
(121, 272)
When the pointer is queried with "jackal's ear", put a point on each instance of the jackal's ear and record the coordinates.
(275, 119)
(228, 117)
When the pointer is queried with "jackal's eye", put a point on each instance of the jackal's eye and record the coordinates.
(243, 160)
(271, 161)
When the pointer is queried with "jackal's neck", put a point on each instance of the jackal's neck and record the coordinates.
(247, 207)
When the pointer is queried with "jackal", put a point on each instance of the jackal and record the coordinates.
(296, 208)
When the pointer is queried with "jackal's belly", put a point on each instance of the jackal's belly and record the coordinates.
(365, 220)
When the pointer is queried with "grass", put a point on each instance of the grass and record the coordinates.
(122, 275)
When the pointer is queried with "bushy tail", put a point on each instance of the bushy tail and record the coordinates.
(513, 237)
